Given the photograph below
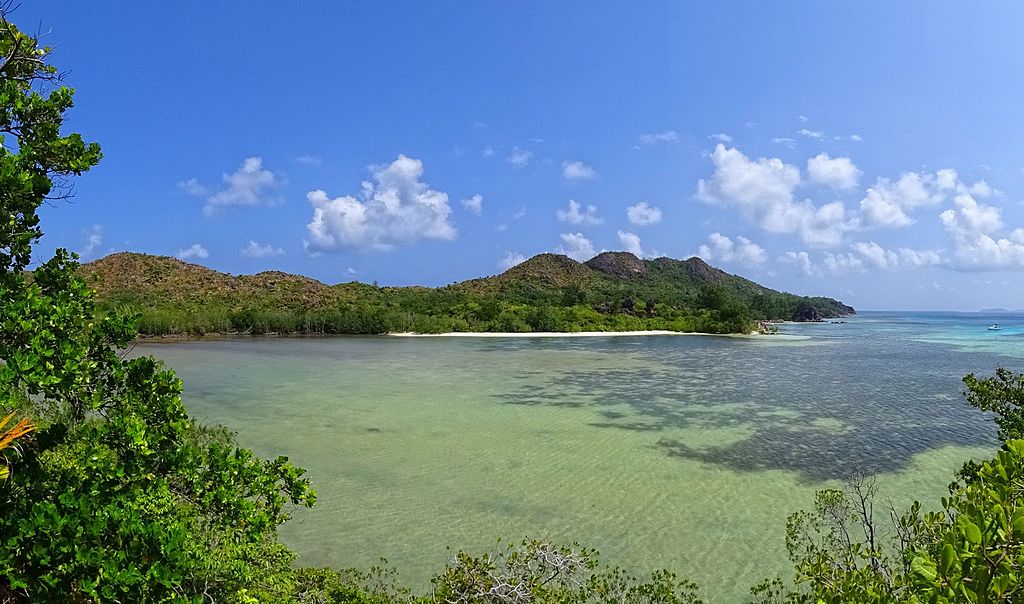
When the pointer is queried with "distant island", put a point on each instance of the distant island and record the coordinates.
(614, 291)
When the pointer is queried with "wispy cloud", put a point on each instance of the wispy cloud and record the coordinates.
(249, 185)
(665, 137)
(255, 249)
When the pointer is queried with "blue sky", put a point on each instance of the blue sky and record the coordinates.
(870, 152)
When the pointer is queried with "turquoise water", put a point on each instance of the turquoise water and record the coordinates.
(684, 452)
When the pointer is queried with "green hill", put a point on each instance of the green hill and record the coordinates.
(549, 292)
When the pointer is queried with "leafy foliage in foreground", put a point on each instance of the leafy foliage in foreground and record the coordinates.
(118, 495)
(614, 291)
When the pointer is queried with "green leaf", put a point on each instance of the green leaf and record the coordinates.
(972, 532)
(924, 568)
(949, 558)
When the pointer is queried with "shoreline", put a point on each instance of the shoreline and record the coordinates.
(175, 338)
(564, 334)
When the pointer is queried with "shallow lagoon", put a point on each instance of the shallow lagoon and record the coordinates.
(661, 451)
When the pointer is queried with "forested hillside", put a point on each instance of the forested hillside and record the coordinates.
(611, 292)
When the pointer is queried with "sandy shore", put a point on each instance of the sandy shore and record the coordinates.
(560, 334)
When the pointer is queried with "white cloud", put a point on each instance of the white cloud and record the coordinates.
(919, 258)
(977, 245)
(763, 191)
(802, 260)
(979, 189)
(721, 137)
(889, 204)
(783, 140)
(842, 263)
(576, 246)
(519, 158)
(249, 185)
(309, 160)
(573, 215)
(802, 118)
(195, 250)
(631, 243)
(577, 170)
(642, 214)
(742, 251)
(395, 209)
(474, 204)
(868, 254)
(815, 134)
(255, 249)
(840, 172)
(663, 137)
(488, 151)
(511, 259)
(876, 255)
(93, 240)
(856, 138)
(192, 186)
(752, 185)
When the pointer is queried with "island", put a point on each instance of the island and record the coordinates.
(612, 292)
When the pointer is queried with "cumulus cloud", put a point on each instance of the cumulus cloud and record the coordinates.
(869, 255)
(815, 134)
(93, 240)
(511, 259)
(664, 137)
(396, 208)
(576, 246)
(856, 138)
(519, 158)
(195, 250)
(723, 249)
(642, 214)
(763, 191)
(919, 258)
(889, 203)
(577, 170)
(474, 204)
(631, 243)
(875, 255)
(574, 215)
(802, 260)
(841, 263)
(249, 185)
(254, 249)
(977, 244)
(839, 172)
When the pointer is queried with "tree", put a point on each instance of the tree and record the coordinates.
(119, 495)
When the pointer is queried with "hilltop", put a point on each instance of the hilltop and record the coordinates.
(549, 292)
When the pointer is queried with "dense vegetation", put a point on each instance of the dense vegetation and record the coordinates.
(112, 493)
(614, 291)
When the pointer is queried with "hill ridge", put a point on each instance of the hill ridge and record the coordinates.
(612, 289)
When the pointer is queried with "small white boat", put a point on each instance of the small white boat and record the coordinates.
(994, 327)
